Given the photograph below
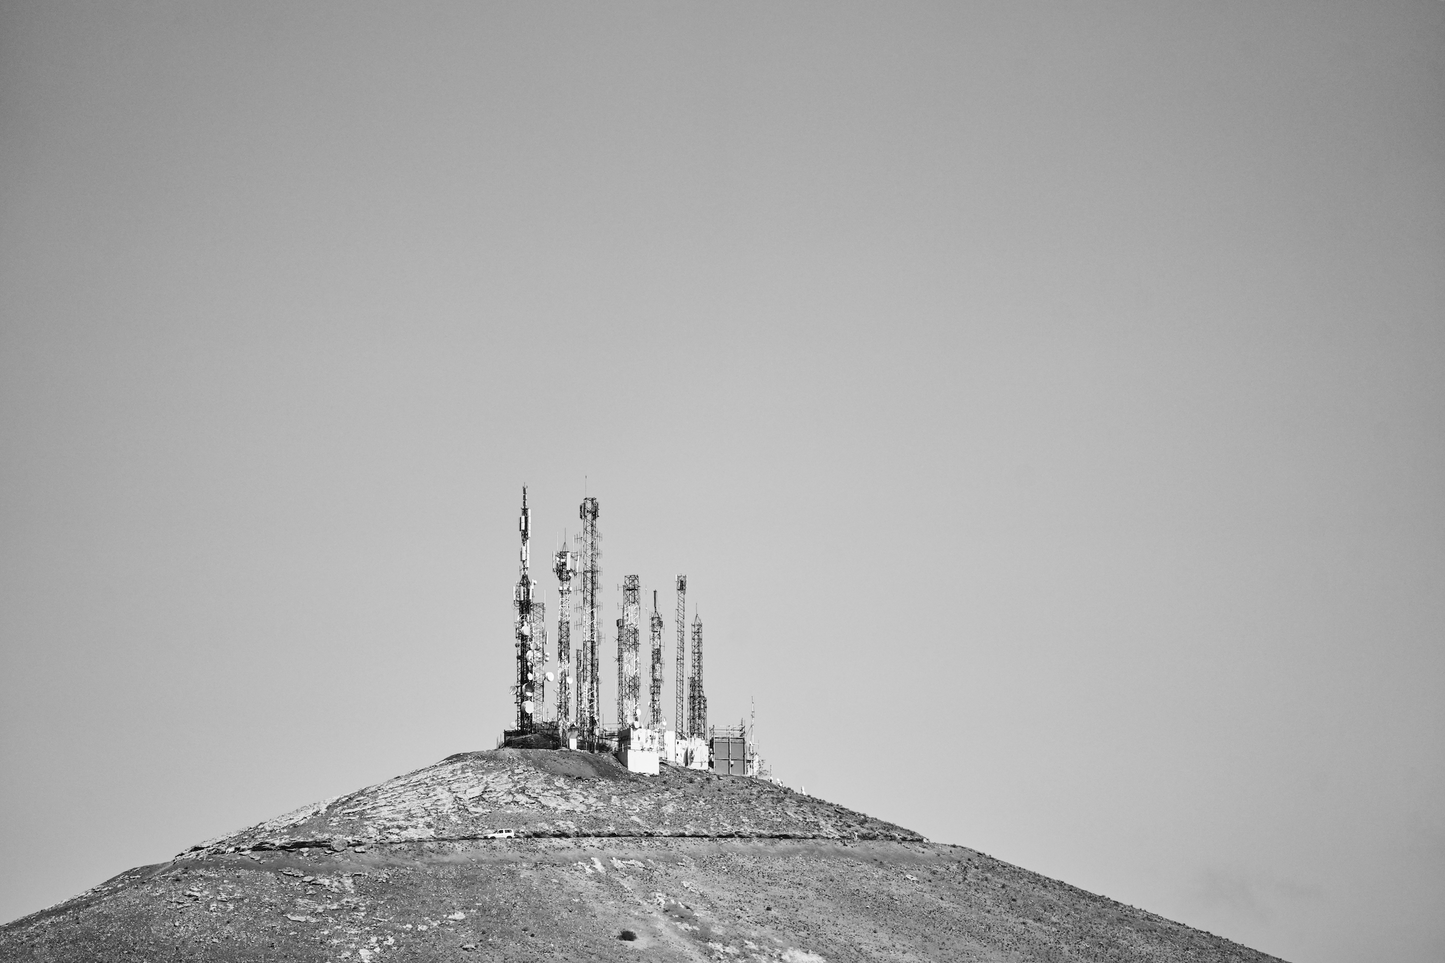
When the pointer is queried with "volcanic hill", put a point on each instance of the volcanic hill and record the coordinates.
(522, 854)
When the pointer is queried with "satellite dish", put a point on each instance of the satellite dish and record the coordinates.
(527, 707)
(550, 677)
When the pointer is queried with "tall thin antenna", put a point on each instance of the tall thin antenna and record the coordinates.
(621, 676)
(654, 695)
(539, 659)
(564, 566)
(523, 625)
(680, 719)
(630, 646)
(591, 572)
(697, 698)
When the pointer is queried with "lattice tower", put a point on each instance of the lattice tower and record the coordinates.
(579, 629)
(630, 645)
(522, 625)
(654, 692)
(591, 574)
(539, 659)
(621, 678)
(564, 564)
(679, 718)
(697, 698)
(580, 675)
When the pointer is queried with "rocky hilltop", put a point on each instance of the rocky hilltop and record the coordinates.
(544, 793)
(532, 854)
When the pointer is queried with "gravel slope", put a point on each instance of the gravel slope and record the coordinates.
(691, 866)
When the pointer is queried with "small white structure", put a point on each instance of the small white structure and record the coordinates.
(691, 753)
(697, 753)
(639, 750)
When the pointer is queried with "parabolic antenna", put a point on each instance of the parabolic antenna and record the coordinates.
(527, 706)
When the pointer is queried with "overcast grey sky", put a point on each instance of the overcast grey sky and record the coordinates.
(1047, 403)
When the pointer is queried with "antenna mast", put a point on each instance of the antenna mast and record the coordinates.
(697, 700)
(523, 622)
(591, 570)
(680, 719)
(629, 646)
(539, 659)
(654, 701)
(564, 566)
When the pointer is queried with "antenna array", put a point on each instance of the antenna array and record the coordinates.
(564, 565)
(589, 703)
(629, 653)
(523, 626)
(654, 695)
(696, 698)
(679, 719)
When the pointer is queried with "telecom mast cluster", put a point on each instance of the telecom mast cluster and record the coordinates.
(638, 732)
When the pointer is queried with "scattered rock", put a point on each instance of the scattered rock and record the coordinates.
(838, 878)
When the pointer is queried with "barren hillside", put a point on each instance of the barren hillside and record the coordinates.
(605, 865)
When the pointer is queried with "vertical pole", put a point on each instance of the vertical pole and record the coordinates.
(621, 676)
(522, 626)
(631, 635)
(564, 564)
(654, 691)
(697, 721)
(591, 572)
(680, 720)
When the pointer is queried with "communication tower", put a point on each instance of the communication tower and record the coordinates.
(679, 718)
(621, 677)
(697, 699)
(591, 555)
(539, 659)
(654, 695)
(629, 693)
(523, 624)
(564, 565)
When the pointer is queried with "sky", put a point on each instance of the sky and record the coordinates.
(1046, 403)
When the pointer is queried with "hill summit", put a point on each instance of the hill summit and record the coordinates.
(518, 854)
